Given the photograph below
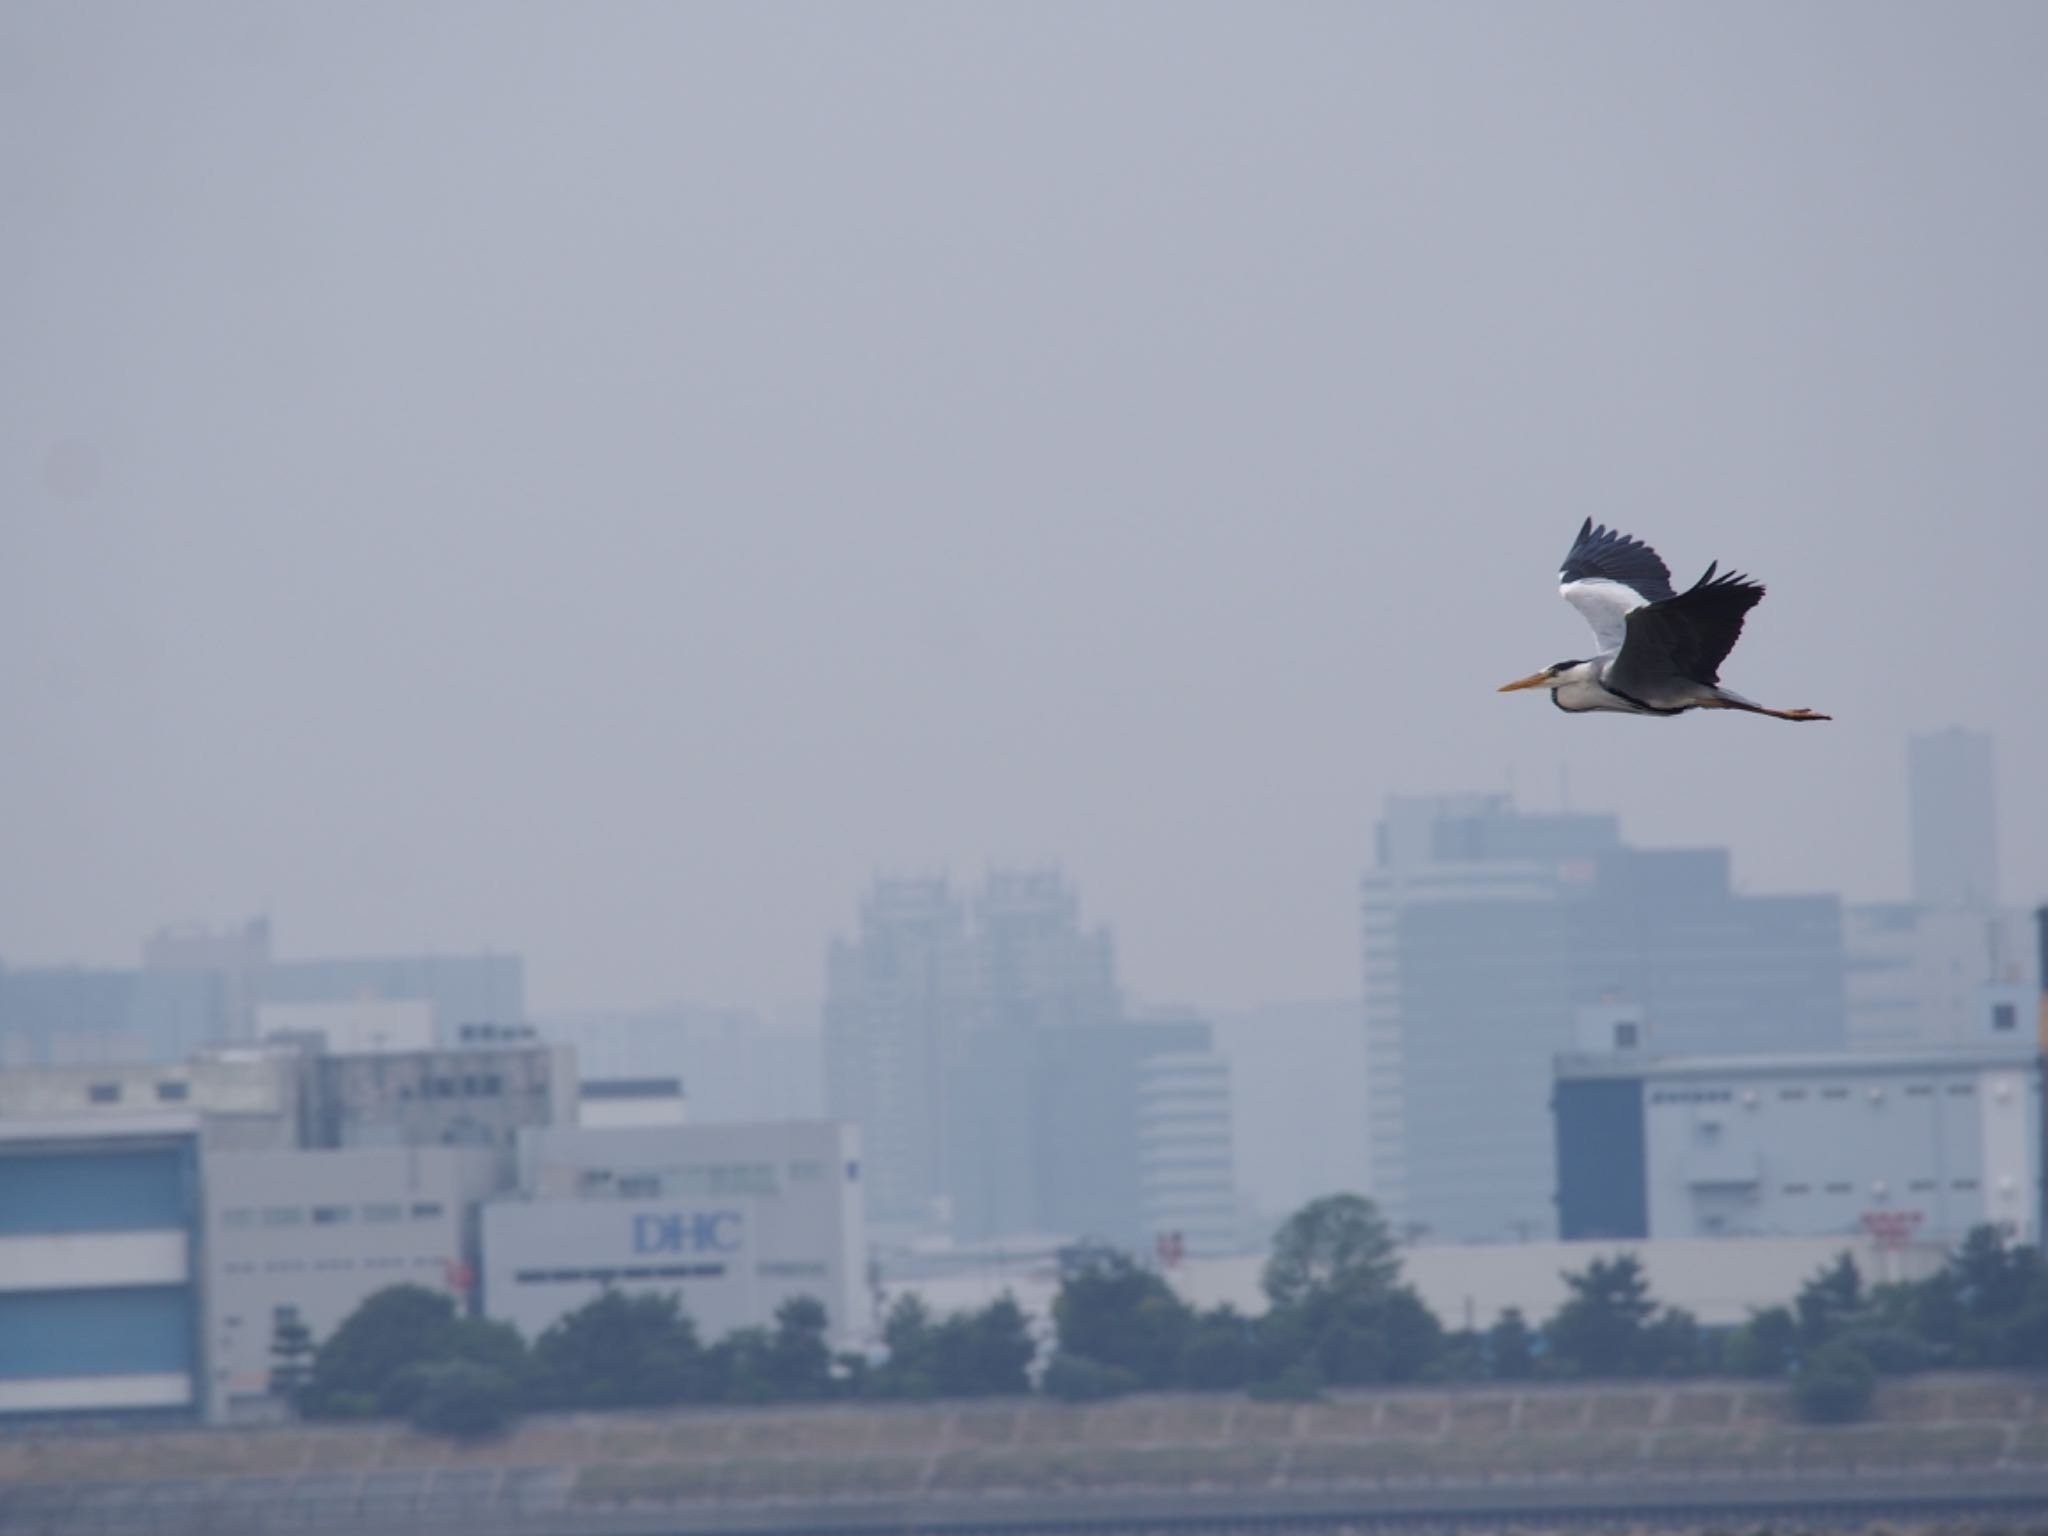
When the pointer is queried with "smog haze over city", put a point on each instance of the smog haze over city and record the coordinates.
(605, 482)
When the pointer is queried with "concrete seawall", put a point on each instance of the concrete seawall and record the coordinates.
(1014, 1463)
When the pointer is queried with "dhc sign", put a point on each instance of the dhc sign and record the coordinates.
(686, 1232)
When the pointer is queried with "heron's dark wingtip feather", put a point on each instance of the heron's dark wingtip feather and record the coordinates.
(1601, 554)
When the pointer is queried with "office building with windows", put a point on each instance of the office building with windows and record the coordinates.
(1494, 940)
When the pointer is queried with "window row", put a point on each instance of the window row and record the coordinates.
(170, 1090)
(374, 1212)
(1917, 1186)
(336, 1265)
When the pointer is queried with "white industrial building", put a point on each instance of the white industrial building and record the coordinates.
(1926, 1143)
(312, 1235)
(736, 1219)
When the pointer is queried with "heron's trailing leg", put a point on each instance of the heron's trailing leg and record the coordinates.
(1795, 714)
(1761, 709)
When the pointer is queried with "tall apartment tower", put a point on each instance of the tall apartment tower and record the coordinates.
(1002, 1085)
(896, 997)
(1953, 814)
(1495, 940)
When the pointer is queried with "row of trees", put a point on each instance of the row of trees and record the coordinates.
(406, 1352)
(1338, 1314)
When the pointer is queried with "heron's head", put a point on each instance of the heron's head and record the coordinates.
(1549, 677)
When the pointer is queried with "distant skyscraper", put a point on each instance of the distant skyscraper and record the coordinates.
(1921, 972)
(897, 997)
(449, 991)
(1002, 1088)
(1954, 819)
(58, 1016)
(734, 1068)
(1495, 940)
(1294, 1075)
(238, 956)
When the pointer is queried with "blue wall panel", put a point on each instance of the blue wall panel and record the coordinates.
(120, 1331)
(94, 1191)
(1602, 1184)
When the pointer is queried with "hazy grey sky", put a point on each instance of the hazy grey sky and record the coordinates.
(605, 480)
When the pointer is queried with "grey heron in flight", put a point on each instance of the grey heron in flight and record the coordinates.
(1660, 650)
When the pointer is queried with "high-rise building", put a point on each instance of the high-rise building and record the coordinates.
(1036, 967)
(236, 957)
(1003, 1089)
(197, 988)
(1117, 1131)
(1953, 815)
(60, 1015)
(897, 997)
(1921, 972)
(1494, 940)
(1294, 1075)
(734, 1067)
(1187, 1186)
(1922, 976)
(447, 992)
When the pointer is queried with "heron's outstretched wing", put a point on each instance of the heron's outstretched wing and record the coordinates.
(1607, 576)
(1685, 637)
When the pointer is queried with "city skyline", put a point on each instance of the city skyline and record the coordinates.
(188, 943)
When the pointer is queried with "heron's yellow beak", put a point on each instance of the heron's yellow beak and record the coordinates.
(1533, 680)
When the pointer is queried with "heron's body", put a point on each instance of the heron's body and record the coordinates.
(1660, 650)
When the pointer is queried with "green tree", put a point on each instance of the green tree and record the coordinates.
(1833, 1384)
(1362, 1335)
(986, 1353)
(462, 1399)
(1339, 1313)
(361, 1370)
(1116, 1314)
(1219, 1353)
(740, 1367)
(291, 1350)
(617, 1351)
(1672, 1345)
(1461, 1357)
(1510, 1347)
(1992, 1277)
(970, 1354)
(1599, 1331)
(1336, 1243)
(799, 1360)
(907, 1335)
(1829, 1301)
(1765, 1345)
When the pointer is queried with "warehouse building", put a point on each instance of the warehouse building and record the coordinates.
(1922, 1145)
(736, 1219)
(308, 1236)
